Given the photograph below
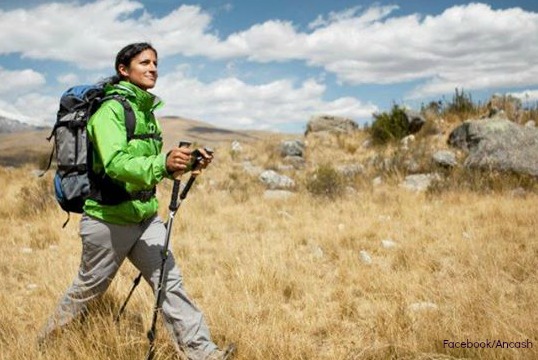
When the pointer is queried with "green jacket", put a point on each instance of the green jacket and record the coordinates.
(137, 164)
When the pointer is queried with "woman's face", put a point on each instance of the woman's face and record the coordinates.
(142, 71)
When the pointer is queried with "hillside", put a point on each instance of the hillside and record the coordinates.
(372, 271)
(337, 258)
(28, 145)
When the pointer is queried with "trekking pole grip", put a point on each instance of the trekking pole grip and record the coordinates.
(197, 159)
(175, 189)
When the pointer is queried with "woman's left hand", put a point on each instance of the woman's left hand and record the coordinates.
(204, 161)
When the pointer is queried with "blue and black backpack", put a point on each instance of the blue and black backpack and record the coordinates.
(74, 180)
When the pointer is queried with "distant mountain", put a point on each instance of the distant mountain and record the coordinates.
(29, 144)
(11, 123)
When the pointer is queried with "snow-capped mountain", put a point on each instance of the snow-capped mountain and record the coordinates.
(10, 123)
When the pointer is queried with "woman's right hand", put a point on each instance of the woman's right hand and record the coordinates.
(177, 160)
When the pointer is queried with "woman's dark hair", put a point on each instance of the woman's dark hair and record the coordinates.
(127, 54)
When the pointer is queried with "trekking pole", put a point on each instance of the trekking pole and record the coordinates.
(174, 206)
(183, 195)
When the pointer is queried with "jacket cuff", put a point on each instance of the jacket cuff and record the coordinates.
(160, 167)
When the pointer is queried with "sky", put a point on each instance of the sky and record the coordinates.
(272, 65)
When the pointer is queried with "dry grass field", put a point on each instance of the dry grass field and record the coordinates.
(284, 279)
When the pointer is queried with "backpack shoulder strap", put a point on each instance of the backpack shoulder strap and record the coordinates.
(130, 118)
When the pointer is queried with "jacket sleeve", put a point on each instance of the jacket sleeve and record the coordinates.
(108, 134)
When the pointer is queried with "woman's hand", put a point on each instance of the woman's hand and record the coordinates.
(177, 160)
(204, 161)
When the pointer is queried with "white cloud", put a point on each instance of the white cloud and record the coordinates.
(371, 14)
(17, 81)
(68, 79)
(526, 96)
(228, 102)
(32, 108)
(471, 46)
(41, 108)
(53, 31)
(232, 103)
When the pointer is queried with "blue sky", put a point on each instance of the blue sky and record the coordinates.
(272, 64)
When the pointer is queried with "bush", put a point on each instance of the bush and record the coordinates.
(326, 181)
(461, 107)
(389, 126)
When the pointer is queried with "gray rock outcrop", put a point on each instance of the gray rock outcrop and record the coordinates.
(498, 144)
(415, 120)
(445, 158)
(329, 123)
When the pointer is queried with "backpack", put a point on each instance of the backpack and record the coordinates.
(74, 180)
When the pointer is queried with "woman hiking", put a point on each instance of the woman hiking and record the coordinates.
(132, 229)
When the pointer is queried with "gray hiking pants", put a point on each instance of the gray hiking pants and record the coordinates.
(104, 247)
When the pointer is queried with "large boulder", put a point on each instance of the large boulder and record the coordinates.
(498, 143)
(329, 123)
(415, 120)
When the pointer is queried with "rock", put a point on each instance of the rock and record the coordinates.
(317, 252)
(419, 182)
(422, 306)
(292, 148)
(329, 123)
(415, 121)
(406, 141)
(498, 144)
(377, 181)
(236, 146)
(388, 244)
(274, 181)
(445, 158)
(365, 257)
(530, 123)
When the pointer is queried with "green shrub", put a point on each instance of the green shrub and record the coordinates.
(326, 181)
(389, 126)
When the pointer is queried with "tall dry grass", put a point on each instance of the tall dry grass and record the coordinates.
(284, 279)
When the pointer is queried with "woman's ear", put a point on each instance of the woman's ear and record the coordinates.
(124, 70)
